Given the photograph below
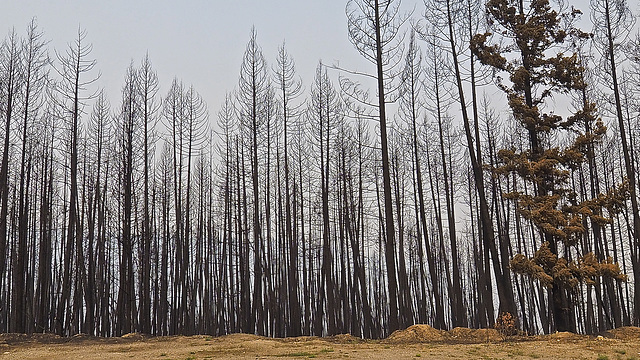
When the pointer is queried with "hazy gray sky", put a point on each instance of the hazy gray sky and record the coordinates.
(199, 42)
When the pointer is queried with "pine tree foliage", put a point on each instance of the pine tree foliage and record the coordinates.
(540, 65)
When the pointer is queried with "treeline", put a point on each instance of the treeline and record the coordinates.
(324, 206)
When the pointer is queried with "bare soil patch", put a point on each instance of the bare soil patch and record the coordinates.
(625, 333)
(418, 341)
(415, 334)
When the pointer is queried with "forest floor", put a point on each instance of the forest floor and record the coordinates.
(418, 341)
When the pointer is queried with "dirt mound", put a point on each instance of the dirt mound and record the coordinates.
(133, 336)
(425, 333)
(42, 338)
(565, 336)
(344, 339)
(46, 338)
(299, 339)
(460, 333)
(415, 334)
(488, 335)
(624, 333)
(239, 337)
(466, 335)
(14, 338)
(86, 338)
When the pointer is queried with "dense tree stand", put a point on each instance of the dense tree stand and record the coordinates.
(462, 177)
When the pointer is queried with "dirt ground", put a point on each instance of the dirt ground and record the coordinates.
(418, 341)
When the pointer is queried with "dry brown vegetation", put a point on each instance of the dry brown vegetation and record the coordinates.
(417, 341)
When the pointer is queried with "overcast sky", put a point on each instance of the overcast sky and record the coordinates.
(199, 42)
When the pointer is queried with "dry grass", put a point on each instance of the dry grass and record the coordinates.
(418, 341)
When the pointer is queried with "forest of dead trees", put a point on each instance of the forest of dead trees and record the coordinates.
(485, 165)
